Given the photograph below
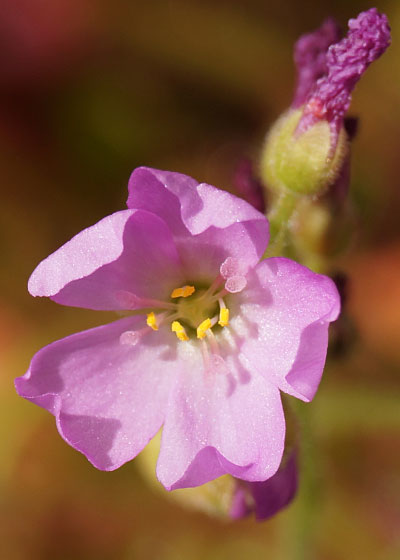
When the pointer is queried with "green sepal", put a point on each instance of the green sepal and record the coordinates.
(303, 163)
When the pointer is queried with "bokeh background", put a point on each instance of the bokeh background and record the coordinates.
(91, 89)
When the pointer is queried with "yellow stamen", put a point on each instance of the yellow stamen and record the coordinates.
(223, 317)
(179, 330)
(152, 321)
(185, 291)
(203, 328)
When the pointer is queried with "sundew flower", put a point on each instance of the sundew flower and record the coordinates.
(211, 336)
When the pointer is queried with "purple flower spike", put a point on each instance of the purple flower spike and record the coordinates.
(310, 58)
(211, 337)
(347, 60)
(267, 498)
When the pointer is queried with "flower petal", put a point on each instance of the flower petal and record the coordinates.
(109, 399)
(217, 423)
(209, 224)
(164, 193)
(282, 325)
(129, 252)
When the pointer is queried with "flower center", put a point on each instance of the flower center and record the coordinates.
(192, 312)
(195, 312)
(195, 309)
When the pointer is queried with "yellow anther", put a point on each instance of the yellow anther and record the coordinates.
(223, 317)
(185, 291)
(179, 330)
(203, 328)
(152, 321)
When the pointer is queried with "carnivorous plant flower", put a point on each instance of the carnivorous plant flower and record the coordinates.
(211, 336)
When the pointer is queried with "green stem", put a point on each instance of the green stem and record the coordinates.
(302, 517)
(279, 217)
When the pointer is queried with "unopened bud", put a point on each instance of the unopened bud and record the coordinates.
(227, 497)
(304, 163)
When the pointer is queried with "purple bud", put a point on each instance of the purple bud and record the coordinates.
(276, 493)
(347, 60)
(310, 58)
(266, 498)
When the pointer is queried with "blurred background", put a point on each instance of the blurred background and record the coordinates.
(89, 90)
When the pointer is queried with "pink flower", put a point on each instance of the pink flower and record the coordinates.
(213, 335)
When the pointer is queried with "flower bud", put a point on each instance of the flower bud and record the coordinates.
(213, 498)
(306, 148)
(302, 163)
(267, 498)
(227, 497)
